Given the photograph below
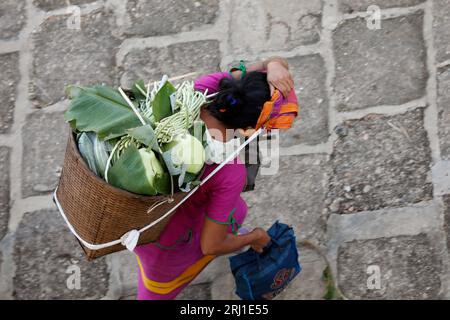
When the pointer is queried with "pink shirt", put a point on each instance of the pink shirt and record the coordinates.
(218, 199)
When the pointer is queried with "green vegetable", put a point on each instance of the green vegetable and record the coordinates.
(161, 103)
(101, 153)
(139, 171)
(127, 138)
(189, 103)
(86, 148)
(187, 150)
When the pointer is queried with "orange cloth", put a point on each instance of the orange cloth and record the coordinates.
(279, 112)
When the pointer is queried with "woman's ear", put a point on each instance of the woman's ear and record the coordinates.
(247, 132)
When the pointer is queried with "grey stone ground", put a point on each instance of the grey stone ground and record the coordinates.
(364, 175)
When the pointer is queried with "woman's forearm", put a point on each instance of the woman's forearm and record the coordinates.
(261, 66)
(232, 243)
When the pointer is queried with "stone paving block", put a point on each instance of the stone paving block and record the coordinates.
(159, 17)
(223, 288)
(218, 266)
(268, 26)
(441, 25)
(4, 190)
(196, 292)
(44, 251)
(12, 18)
(440, 173)
(125, 269)
(381, 162)
(48, 5)
(64, 56)
(173, 60)
(9, 78)
(309, 284)
(379, 67)
(446, 200)
(44, 144)
(409, 268)
(311, 127)
(349, 6)
(424, 217)
(295, 195)
(443, 101)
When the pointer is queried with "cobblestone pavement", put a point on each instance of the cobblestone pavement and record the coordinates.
(364, 175)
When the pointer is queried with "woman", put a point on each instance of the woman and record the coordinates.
(207, 224)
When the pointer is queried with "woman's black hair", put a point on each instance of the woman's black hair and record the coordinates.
(239, 102)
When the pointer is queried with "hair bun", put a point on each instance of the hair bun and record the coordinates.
(238, 103)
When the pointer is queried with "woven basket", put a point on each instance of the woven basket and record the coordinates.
(101, 213)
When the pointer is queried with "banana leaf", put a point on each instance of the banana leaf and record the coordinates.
(162, 183)
(130, 173)
(161, 105)
(86, 148)
(145, 135)
(100, 109)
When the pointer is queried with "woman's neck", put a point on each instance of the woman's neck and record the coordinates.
(216, 128)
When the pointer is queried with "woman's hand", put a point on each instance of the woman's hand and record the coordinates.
(215, 239)
(279, 77)
(262, 240)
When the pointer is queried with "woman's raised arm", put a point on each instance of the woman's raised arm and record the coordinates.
(278, 74)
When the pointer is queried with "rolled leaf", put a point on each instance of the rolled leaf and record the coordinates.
(86, 148)
(130, 173)
(101, 153)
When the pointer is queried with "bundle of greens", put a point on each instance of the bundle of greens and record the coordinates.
(146, 141)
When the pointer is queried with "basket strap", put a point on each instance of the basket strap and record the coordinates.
(131, 238)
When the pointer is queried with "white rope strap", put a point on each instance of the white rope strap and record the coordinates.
(131, 238)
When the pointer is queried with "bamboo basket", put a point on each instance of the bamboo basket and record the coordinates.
(100, 213)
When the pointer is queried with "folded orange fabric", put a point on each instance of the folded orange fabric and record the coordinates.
(279, 112)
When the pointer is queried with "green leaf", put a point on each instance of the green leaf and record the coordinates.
(162, 183)
(101, 149)
(86, 148)
(161, 104)
(189, 177)
(145, 135)
(100, 109)
(129, 173)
